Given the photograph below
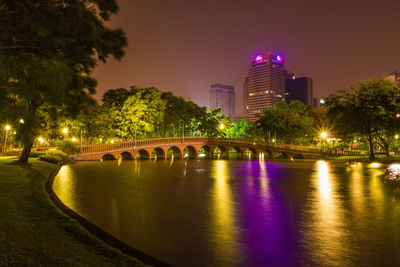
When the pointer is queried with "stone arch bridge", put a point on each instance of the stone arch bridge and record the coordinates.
(194, 148)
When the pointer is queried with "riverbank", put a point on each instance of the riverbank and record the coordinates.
(379, 158)
(33, 231)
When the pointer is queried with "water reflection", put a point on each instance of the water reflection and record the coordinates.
(324, 231)
(393, 172)
(224, 227)
(64, 186)
(357, 186)
(241, 213)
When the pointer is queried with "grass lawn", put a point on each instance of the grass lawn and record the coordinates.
(379, 158)
(33, 231)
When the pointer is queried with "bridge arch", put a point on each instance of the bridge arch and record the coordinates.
(190, 152)
(142, 154)
(250, 153)
(268, 154)
(175, 152)
(282, 155)
(108, 157)
(220, 152)
(126, 155)
(158, 153)
(235, 153)
(298, 156)
(205, 152)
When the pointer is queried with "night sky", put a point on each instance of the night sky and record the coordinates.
(185, 46)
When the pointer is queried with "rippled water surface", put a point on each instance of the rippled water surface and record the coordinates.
(246, 213)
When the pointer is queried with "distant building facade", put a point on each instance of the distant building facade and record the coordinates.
(299, 89)
(264, 85)
(223, 96)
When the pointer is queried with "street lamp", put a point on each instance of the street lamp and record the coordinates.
(41, 140)
(8, 127)
(65, 131)
(323, 136)
(221, 126)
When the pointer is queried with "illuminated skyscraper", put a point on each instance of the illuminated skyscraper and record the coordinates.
(265, 84)
(223, 96)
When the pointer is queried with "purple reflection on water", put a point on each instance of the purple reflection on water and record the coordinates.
(269, 227)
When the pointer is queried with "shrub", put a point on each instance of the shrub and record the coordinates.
(67, 146)
(52, 159)
(55, 156)
(36, 154)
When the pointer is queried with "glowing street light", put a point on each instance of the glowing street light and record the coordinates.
(7, 128)
(396, 136)
(324, 135)
(41, 140)
(21, 121)
(221, 126)
(65, 131)
(73, 139)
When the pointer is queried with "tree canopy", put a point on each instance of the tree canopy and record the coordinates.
(48, 50)
(371, 111)
(290, 122)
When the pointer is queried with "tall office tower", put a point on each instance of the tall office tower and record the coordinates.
(223, 96)
(300, 89)
(245, 94)
(266, 84)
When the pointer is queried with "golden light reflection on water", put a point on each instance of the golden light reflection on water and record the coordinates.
(325, 232)
(357, 186)
(63, 186)
(137, 166)
(376, 190)
(224, 223)
(264, 182)
(324, 183)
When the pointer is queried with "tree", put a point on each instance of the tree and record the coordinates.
(115, 97)
(369, 111)
(291, 122)
(242, 129)
(48, 51)
(141, 113)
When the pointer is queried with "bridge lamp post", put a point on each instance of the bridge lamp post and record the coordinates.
(7, 128)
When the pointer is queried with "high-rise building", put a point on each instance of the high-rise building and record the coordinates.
(223, 96)
(245, 94)
(299, 89)
(264, 85)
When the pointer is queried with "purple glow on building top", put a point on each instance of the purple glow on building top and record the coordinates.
(259, 58)
(278, 58)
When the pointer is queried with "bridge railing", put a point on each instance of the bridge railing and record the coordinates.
(190, 140)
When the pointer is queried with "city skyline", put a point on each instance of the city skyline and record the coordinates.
(184, 47)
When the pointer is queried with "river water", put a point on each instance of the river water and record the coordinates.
(241, 213)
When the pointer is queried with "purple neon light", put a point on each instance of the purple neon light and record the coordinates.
(278, 58)
(259, 58)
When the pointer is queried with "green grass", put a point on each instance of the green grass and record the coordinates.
(379, 158)
(33, 231)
